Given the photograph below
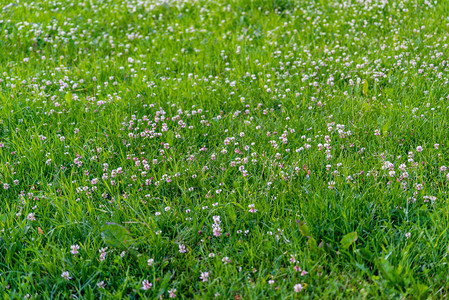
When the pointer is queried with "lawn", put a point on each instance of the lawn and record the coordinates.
(228, 149)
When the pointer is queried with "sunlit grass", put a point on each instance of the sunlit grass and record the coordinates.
(224, 149)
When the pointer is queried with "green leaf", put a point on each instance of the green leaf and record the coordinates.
(385, 127)
(387, 270)
(231, 213)
(365, 87)
(164, 264)
(365, 253)
(69, 97)
(303, 228)
(380, 120)
(366, 106)
(348, 240)
(421, 288)
(115, 235)
(312, 244)
(169, 137)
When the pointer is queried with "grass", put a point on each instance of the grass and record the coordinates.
(228, 149)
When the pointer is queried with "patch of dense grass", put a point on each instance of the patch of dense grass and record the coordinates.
(224, 149)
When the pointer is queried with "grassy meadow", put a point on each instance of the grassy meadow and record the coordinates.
(228, 149)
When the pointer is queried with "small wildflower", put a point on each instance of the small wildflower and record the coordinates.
(171, 293)
(66, 275)
(150, 262)
(204, 276)
(298, 287)
(146, 285)
(226, 260)
(74, 249)
(103, 253)
(252, 208)
(182, 248)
